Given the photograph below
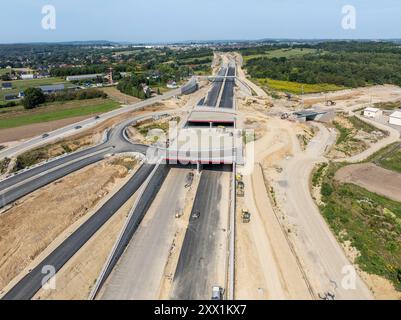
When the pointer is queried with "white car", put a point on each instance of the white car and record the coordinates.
(217, 293)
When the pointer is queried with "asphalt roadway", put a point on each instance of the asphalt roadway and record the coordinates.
(140, 271)
(227, 98)
(198, 265)
(214, 93)
(85, 124)
(22, 184)
(19, 185)
(27, 287)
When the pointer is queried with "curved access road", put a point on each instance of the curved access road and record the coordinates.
(322, 257)
(19, 185)
(85, 124)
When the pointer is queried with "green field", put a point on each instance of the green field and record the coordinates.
(75, 110)
(372, 224)
(388, 105)
(287, 53)
(389, 157)
(295, 87)
(21, 85)
(3, 71)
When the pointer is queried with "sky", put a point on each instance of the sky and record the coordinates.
(150, 21)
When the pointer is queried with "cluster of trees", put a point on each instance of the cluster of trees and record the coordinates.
(156, 76)
(8, 104)
(35, 97)
(69, 71)
(351, 64)
(134, 86)
(68, 95)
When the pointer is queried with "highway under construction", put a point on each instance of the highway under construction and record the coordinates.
(204, 251)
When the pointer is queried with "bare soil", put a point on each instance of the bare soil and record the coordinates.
(118, 96)
(35, 221)
(77, 277)
(32, 130)
(348, 97)
(373, 178)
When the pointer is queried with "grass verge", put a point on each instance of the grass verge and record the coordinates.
(370, 222)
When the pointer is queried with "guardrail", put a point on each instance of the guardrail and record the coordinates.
(137, 213)
(231, 256)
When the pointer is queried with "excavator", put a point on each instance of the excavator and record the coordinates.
(246, 216)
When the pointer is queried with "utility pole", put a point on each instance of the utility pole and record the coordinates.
(111, 75)
(302, 96)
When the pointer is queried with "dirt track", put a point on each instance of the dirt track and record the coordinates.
(372, 178)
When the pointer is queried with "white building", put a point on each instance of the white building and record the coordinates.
(395, 118)
(370, 112)
(172, 84)
(84, 77)
(28, 76)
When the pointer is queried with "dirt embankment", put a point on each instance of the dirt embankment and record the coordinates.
(35, 221)
(77, 277)
(266, 267)
(354, 136)
(349, 97)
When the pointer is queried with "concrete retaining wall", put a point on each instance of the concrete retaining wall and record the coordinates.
(190, 87)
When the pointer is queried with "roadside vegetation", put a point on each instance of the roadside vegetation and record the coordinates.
(354, 136)
(305, 137)
(126, 162)
(4, 165)
(164, 125)
(43, 153)
(368, 222)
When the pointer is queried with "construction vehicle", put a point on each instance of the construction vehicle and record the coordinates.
(189, 179)
(240, 185)
(246, 216)
(291, 97)
(284, 116)
(330, 103)
(240, 189)
(179, 214)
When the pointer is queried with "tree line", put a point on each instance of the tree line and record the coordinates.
(350, 64)
(35, 96)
